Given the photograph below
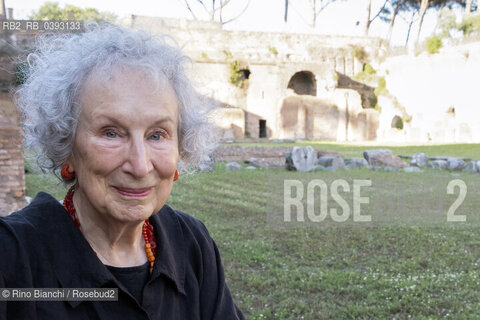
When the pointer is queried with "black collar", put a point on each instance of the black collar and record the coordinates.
(77, 265)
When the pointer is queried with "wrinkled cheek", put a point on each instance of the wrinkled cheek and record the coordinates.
(94, 163)
(167, 169)
(165, 162)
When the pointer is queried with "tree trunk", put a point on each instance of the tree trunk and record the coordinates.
(314, 17)
(478, 6)
(423, 8)
(212, 15)
(367, 21)
(392, 22)
(409, 29)
(191, 11)
(285, 18)
(468, 6)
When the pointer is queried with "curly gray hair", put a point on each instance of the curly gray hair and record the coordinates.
(56, 70)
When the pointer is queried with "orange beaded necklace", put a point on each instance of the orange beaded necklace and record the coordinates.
(148, 236)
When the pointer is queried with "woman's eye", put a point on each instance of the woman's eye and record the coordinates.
(111, 134)
(156, 136)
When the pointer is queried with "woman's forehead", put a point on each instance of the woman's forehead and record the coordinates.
(128, 89)
(104, 75)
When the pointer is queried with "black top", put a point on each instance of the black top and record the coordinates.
(40, 247)
(132, 278)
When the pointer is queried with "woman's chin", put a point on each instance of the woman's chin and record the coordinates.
(131, 214)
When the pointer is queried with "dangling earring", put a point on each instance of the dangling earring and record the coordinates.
(67, 174)
(175, 177)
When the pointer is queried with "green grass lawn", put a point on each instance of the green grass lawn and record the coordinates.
(351, 150)
(329, 270)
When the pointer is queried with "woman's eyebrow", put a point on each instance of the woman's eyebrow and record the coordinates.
(120, 119)
(163, 119)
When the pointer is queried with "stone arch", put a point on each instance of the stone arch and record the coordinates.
(244, 74)
(397, 122)
(303, 83)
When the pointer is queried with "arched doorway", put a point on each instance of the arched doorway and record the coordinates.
(303, 83)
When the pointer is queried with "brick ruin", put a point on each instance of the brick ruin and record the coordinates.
(12, 168)
(12, 178)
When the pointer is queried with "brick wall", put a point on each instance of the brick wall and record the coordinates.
(12, 179)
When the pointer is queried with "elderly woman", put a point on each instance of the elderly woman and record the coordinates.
(114, 112)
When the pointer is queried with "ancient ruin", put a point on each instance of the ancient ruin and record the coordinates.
(287, 86)
(277, 85)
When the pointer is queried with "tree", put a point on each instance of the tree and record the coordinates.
(468, 6)
(410, 23)
(317, 7)
(391, 12)
(446, 22)
(369, 21)
(214, 11)
(52, 11)
(437, 4)
(423, 9)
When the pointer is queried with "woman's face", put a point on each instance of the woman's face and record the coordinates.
(126, 146)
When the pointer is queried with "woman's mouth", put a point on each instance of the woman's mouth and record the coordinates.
(134, 192)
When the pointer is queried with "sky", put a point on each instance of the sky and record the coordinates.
(339, 18)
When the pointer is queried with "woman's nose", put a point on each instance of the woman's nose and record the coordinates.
(138, 161)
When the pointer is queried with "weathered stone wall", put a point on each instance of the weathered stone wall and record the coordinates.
(272, 59)
(439, 92)
(12, 181)
(336, 117)
(207, 41)
(8, 111)
(230, 123)
(305, 117)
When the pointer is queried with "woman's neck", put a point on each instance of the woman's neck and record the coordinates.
(116, 243)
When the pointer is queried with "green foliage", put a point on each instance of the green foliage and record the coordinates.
(434, 43)
(369, 69)
(359, 53)
(470, 24)
(273, 50)
(361, 76)
(204, 55)
(237, 77)
(367, 72)
(52, 11)
(381, 88)
(446, 22)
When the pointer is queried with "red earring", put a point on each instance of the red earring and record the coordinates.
(67, 174)
(175, 177)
